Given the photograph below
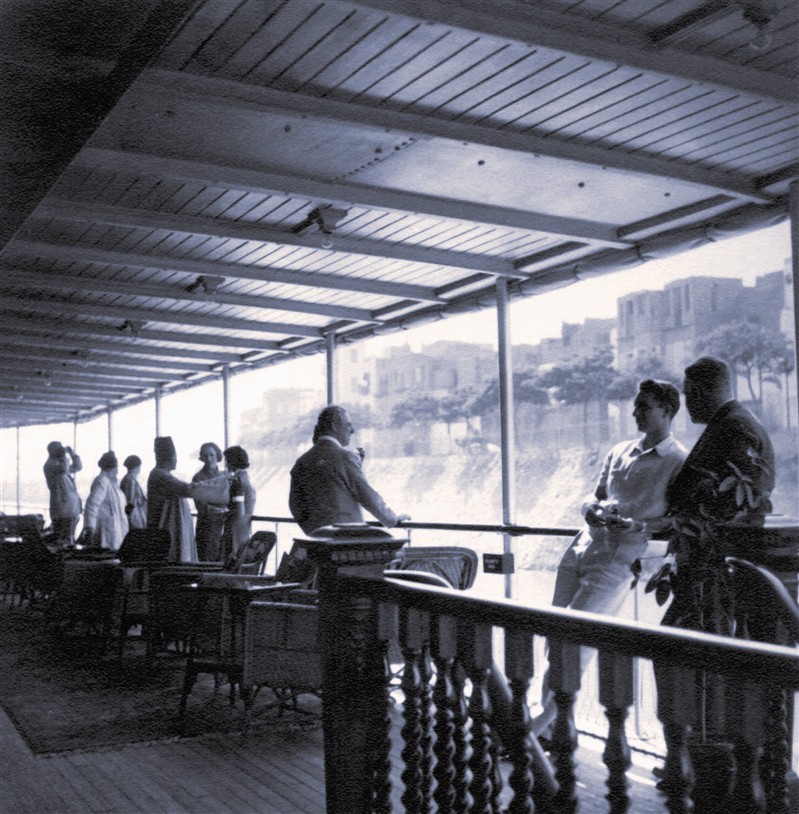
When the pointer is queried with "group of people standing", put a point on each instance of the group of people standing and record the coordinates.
(225, 501)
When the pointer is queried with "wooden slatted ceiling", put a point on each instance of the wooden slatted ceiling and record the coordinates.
(508, 83)
(553, 128)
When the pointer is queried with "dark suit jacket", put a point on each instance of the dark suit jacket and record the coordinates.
(729, 437)
(328, 486)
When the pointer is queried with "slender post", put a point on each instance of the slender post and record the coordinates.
(332, 372)
(794, 211)
(74, 433)
(18, 504)
(110, 414)
(158, 411)
(507, 439)
(226, 403)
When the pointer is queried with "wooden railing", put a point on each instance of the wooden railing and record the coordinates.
(450, 746)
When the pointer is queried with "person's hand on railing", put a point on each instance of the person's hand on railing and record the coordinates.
(402, 518)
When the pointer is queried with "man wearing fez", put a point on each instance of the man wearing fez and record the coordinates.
(65, 505)
(167, 502)
(327, 482)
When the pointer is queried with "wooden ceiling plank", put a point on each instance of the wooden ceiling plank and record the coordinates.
(537, 25)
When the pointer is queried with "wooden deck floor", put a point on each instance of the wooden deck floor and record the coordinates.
(217, 775)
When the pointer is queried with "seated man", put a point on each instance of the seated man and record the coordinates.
(628, 506)
(327, 483)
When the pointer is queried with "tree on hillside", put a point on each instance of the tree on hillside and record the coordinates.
(416, 409)
(457, 406)
(758, 354)
(625, 385)
(526, 389)
(582, 381)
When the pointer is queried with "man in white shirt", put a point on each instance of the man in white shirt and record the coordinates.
(628, 506)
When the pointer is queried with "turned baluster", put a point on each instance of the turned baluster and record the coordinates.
(616, 695)
(776, 759)
(443, 647)
(426, 720)
(748, 733)
(380, 741)
(677, 711)
(462, 739)
(564, 679)
(519, 671)
(412, 635)
(476, 650)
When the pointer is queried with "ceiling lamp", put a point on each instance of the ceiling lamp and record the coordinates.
(134, 326)
(762, 14)
(325, 218)
(206, 285)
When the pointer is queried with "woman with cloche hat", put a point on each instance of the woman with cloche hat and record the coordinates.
(105, 523)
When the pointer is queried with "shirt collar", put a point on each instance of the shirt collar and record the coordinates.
(330, 438)
(661, 449)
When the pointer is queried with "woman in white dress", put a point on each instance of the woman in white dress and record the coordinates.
(104, 518)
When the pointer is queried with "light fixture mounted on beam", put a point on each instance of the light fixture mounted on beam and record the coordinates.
(134, 326)
(325, 218)
(206, 285)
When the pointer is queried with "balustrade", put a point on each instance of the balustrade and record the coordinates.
(449, 746)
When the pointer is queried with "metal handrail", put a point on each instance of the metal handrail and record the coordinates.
(499, 528)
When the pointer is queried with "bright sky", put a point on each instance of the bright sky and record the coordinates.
(195, 415)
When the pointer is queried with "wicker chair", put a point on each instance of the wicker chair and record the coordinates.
(281, 651)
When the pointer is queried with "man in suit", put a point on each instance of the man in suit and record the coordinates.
(327, 482)
(733, 445)
(733, 439)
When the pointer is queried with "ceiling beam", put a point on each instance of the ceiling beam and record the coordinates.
(234, 230)
(169, 87)
(19, 278)
(341, 193)
(87, 349)
(54, 305)
(118, 383)
(68, 361)
(13, 321)
(118, 216)
(532, 23)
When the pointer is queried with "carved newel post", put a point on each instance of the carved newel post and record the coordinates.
(354, 701)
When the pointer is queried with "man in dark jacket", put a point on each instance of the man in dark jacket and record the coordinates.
(327, 483)
(734, 442)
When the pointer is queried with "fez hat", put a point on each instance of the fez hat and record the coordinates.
(164, 447)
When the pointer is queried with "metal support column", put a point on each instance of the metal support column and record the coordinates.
(794, 227)
(506, 420)
(158, 411)
(18, 479)
(332, 372)
(75, 433)
(110, 413)
(226, 404)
